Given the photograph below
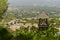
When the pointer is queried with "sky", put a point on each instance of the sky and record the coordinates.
(33, 2)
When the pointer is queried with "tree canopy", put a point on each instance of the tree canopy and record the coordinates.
(3, 7)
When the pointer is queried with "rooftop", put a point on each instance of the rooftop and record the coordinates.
(43, 15)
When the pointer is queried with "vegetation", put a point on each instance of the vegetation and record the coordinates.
(35, 34)
(3, 7)
(5, 34)
(30, 34)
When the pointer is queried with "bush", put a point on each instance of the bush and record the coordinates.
(33, 34)
(36, 34)
(4, 34)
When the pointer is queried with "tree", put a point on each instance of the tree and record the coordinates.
(5, 34)
(3, 7)
(11, 16)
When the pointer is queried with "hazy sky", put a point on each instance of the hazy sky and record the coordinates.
(31, 2)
